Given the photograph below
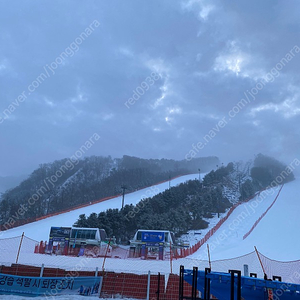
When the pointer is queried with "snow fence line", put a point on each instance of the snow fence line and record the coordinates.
(26, 260)
(262, 216)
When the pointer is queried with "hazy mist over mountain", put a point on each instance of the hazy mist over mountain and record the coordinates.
(173, 79)
(10, 182)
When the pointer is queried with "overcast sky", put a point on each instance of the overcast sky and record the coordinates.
(192, 61)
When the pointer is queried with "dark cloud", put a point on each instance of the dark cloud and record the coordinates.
(207, 55)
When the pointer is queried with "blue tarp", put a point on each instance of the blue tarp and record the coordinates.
(251, 288)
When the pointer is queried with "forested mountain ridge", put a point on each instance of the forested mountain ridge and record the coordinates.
(66, 183)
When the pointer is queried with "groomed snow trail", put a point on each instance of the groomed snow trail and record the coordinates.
(275, 236)
(39, 230)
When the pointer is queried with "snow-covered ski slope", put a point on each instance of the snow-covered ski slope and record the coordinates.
(276, 235)
(39, 230)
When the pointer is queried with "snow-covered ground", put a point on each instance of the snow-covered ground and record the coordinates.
(275, 236)
(193, 236)
(40, 230)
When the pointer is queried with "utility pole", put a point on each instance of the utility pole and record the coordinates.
(123, 195)
(199, 176)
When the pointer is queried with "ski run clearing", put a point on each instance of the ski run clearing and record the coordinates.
(40, 230)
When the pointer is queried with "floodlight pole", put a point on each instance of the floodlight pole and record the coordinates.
(123, 195)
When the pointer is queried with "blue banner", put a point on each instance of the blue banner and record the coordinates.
(49, 286)
(153, 237)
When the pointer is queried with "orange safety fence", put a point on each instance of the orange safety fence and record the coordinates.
(213, 230)
(262, 216)
(289, 271)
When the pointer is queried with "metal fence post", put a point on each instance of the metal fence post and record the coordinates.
(42, 270)
(148, 286)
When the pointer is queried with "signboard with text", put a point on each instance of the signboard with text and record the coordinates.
(153, 237)
(46, 286)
